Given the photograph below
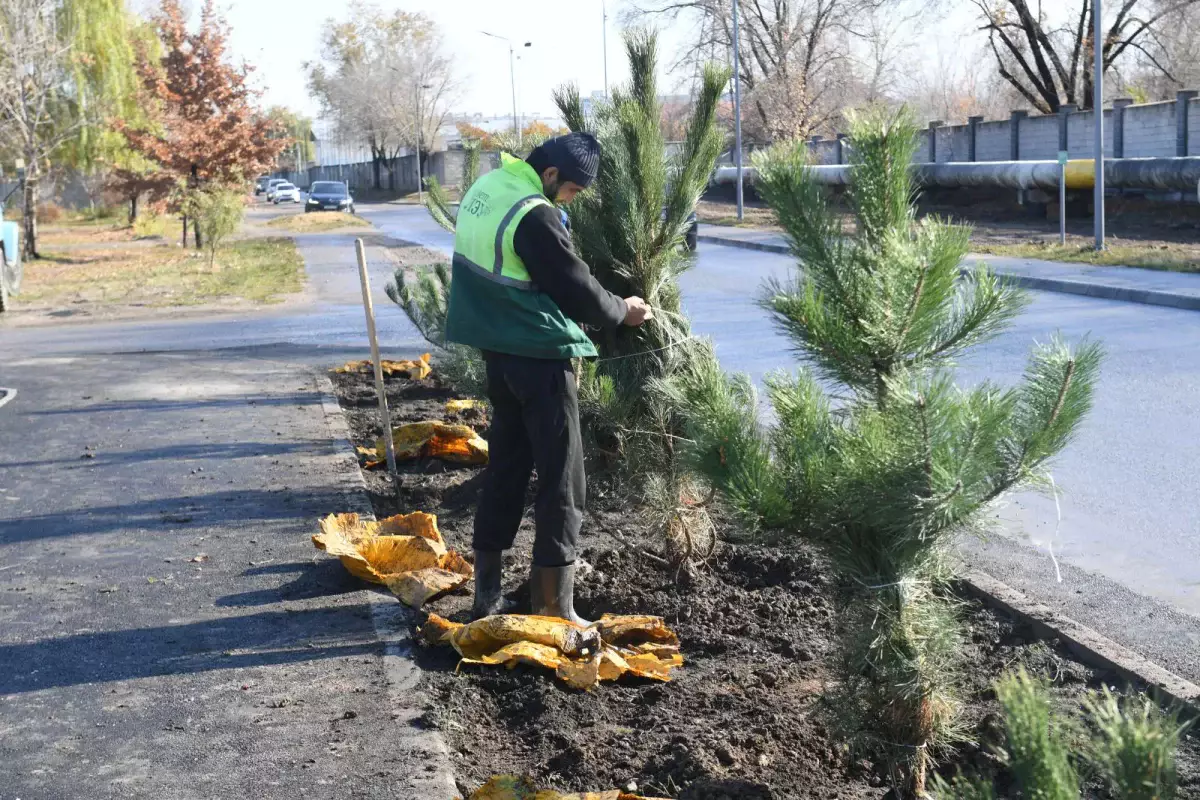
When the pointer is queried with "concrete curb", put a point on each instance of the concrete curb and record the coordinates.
(1087, 645)
(390, 618)
(1150, 297)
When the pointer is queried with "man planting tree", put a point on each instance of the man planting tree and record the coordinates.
(519, 294)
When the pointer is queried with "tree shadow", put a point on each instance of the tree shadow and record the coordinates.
(253, 640)
(324, 577)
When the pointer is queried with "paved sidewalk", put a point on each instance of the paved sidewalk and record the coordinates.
(1128, 284)
(167, 629)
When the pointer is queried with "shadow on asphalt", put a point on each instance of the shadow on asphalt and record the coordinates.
(143, 405)
(188, 452)
(177, 514)
(325, 577)
(253, 640)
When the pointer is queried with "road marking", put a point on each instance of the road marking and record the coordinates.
(7, 394)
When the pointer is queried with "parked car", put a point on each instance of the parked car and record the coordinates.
(271, 184)
(260, 185)
(329, 196)
(10, 261)
(286, 193)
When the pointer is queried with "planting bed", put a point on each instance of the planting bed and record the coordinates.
(744, 717)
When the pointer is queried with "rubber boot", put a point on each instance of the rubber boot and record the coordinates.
(552, 593)
(489, 597)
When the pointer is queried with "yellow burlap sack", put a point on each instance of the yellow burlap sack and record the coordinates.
(405, 553)
(582, 657)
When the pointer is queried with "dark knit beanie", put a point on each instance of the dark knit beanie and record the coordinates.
(577, 156)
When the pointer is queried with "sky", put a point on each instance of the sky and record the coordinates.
(566, 44)
(565, 36)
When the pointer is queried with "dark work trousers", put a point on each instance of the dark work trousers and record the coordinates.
(535, 422)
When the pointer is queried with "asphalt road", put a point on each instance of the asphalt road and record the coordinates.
(166, 627)
(1128, 542)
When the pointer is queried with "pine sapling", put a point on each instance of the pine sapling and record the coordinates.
(906, 461)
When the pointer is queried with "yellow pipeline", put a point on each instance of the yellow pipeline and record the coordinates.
(1081, 173)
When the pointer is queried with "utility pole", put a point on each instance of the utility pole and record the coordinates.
(512, 75)
(420, 141)
(604, 37)
(1098, 110)
(737, 114)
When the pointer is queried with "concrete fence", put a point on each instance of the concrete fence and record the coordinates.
(395, 175)
(1166, 129)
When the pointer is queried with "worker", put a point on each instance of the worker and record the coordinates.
(520, 294)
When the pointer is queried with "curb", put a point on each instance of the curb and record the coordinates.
(1149, 297)
(390, 618)
(1090, 647)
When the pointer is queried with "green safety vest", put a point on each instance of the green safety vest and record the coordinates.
(493, 303)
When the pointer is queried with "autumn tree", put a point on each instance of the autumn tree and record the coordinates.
(1046, 53)
(204, 127)
(385, 80)
(64, 67)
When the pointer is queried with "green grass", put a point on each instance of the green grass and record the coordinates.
(1168, 257)
(317, 221)
(257, 270)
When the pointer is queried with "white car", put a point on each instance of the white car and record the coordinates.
(272, 185)
(286, 192)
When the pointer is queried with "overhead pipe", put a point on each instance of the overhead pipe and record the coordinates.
(1164, 174)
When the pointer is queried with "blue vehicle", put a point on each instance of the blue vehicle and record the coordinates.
(10, 261)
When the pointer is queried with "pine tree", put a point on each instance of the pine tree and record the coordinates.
(630, 230)
(885, 477)
(1130, 746)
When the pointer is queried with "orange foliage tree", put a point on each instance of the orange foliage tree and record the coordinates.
(203, 126)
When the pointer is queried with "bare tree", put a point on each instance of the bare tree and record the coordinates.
(385, 80)
(1047, 55)
(1168, 62)
(33, 94)
(796, 58)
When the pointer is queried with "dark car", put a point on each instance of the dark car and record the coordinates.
(330, 196)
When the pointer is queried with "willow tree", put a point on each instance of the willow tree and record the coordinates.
(65, 66)
(630, 229)
(887, 476)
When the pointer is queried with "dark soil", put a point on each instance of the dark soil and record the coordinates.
(744, 718)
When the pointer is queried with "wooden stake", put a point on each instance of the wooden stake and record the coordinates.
(369, 308)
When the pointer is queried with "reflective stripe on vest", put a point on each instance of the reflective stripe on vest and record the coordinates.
(487, 218)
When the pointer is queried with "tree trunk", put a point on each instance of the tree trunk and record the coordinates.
(375, 167)
(196, 230)
(30, 214)
(184, 242)
(133, 209)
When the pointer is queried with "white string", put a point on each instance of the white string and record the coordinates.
(647, 352)
(1057, 526)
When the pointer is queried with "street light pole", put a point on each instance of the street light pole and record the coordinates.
(604, 36)
(420, 141)
(512, 74)
(1098, 110)
(737, 115)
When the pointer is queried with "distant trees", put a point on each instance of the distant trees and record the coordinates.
(798, 61)
(296, 131)
(1046, 53)
(385, 79)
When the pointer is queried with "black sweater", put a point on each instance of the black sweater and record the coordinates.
(545, 246)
